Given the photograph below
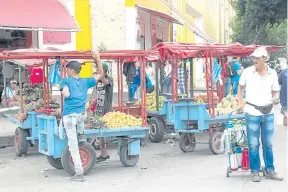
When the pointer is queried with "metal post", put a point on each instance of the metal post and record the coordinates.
(186, 77)
(212, 85)
(143, 92)
(20, 86)
(5, 88)
(161, 75)
(157, 85)
(61, 77)
(121, 86)
(191, 78)
(118, 82)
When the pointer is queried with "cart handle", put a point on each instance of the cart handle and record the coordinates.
(229, 117)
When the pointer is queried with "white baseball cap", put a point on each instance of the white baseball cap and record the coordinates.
(260, 52)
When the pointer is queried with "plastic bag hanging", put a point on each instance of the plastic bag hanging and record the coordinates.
(54, 73)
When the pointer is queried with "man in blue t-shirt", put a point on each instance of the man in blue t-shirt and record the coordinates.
(235, 79)
(136, 84)
(74, 91)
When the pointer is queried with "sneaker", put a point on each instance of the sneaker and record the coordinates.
(101, 159)
(256, 177)
(273, 176)
(78, 178)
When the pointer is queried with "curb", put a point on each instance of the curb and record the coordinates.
(6, 141)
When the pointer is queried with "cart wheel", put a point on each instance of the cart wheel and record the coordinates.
(215, 143)
(127, 160)
(157, 130)
(263, 171)
(227, 172)
(20, 142)
(87, 154)
(56, 163)
(95, 143)
(185, 144)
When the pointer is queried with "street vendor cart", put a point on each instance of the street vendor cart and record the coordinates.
(43, 126)
(187, 115)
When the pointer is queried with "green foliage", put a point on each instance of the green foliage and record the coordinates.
(260, 22)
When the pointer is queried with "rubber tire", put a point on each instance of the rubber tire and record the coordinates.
(211, 141)
(183, 142)
(227, 172)
(160, 130)
(56, 163)
(67, 164)
(124, 157)
(22, 147)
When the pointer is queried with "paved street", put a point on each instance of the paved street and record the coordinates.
(162, 168)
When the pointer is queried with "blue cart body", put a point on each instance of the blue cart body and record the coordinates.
(52, 139)
(30, 125)
(182, 113)
(187, 118)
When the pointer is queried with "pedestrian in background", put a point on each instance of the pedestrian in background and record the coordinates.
(227, 80)
(237, 69)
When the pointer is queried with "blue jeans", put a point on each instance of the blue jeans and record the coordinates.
(265, 125)
(132, 90)
(235, 87)
(227, 85)
(166, 85)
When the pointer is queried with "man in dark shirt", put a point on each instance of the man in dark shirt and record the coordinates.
(103, 92)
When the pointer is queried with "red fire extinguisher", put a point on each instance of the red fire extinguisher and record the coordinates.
(245, 160)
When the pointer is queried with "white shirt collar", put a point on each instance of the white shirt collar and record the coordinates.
(269, 69)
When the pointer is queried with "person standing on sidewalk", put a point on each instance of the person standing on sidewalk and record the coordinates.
(227, 80)
(237, 69)
(74, 91)
(262, 92)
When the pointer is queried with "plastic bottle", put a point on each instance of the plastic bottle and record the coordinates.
(238, 153)
(233, 162)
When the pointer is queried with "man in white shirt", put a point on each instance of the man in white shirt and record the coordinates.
(262, 92)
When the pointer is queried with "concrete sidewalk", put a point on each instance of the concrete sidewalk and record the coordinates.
(7, 129)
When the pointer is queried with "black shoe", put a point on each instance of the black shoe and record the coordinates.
(101, 159)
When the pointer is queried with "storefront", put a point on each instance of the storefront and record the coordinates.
(18, 29)
(148, 26)
(23, 24)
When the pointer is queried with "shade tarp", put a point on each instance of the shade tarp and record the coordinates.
(184, 50)
(46, 15)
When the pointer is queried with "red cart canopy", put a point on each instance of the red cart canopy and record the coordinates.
(36, 15)
(185, 50)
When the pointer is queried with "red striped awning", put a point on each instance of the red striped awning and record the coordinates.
(43, 15)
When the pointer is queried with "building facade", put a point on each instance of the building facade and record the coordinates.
(140, 24)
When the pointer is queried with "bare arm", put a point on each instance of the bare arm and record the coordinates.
(97, 60)
(240, 96)
(65, 92)
(240, 71)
